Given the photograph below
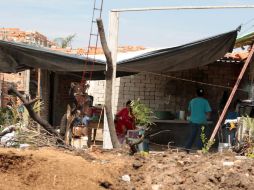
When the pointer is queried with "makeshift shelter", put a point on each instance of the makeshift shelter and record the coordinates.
(15, 57)
(65, 68)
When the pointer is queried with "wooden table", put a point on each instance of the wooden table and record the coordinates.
(176, 131)
(176, 121)
(94, 125)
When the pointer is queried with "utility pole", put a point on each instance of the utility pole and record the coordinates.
(113, 44)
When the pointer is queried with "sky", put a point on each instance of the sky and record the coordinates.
(155, 29)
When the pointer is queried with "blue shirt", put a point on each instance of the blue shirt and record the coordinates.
(198, 107)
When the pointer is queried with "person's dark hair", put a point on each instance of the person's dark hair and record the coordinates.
(200, 92)
(91, 100)
(9, 103)
(128, 103)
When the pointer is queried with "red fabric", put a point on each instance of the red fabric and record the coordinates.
(124, 122)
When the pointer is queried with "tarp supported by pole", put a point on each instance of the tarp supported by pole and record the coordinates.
(16, 57)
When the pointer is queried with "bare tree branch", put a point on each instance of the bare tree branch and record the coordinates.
(32, 113)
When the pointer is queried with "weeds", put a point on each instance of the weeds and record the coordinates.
(246, 146)
(207, 144)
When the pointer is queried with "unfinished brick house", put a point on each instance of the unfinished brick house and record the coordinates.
(26, 37)
(173, 92)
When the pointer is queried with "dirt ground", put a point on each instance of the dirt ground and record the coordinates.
(48, 168)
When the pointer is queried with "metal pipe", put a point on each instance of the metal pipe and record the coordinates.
(183, 8)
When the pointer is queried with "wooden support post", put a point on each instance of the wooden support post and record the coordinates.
(250, 57)
(39, 95)
(113, 45)
(39, 85)
(27, 82)
(109, 134)
(1, 89)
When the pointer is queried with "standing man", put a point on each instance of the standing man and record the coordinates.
(199, 110)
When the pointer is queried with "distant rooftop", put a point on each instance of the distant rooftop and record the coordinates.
(38, 39)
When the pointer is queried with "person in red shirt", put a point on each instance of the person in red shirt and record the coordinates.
(124, 121)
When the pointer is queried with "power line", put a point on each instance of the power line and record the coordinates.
(248, 21)
(247, 29)
(182, 79)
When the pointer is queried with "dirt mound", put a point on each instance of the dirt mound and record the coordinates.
(181, 171)
(10, 162)
(55, 169)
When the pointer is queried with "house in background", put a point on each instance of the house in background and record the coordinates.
(54, 86)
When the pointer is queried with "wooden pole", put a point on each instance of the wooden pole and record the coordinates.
(27, 82)
(249, 59)
(39, 84)
(39, 95)
(1, 89)
(183, 8)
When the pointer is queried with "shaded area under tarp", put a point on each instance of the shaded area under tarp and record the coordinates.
(16, 57)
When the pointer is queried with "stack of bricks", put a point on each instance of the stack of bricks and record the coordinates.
(27, 37)
(18, 80)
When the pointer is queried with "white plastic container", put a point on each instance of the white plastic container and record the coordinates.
(182, 115)
(223, 146)
(80, 143)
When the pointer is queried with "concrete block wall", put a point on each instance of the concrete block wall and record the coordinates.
(168, 94)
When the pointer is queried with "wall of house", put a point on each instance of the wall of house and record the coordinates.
(61, 96)
(168, 94)
(17, 79)
(158, 92)
(45, 94)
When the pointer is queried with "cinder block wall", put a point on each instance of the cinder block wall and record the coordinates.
(168, 94)
(158, 92)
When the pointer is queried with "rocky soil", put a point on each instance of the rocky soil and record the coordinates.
(48, 168)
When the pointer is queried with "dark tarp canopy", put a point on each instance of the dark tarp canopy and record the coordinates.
(16, 57)
(183, 57)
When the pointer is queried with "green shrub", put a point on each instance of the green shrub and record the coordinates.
(207, 144)
(142, 113)
(6, 116)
